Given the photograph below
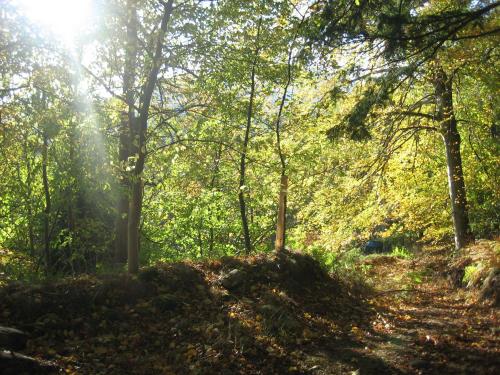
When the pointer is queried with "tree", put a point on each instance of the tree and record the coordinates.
(125, 127)
(246, 138)
(171, 128)
(137, 133)
(408, 32)
(445, 117)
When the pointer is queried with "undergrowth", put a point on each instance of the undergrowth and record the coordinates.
(401, 252)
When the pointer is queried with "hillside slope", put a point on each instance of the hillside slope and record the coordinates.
(274, 314)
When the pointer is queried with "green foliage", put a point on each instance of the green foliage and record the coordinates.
(325, 258)
(345, 261)
(416, 277)
(470, 273)
(345, 265)
(14, 267)
(401, 252)
(384, 176)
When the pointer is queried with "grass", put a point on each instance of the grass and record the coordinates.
(469, 273)
(402, 252)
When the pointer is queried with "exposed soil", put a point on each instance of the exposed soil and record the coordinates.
(274, 315)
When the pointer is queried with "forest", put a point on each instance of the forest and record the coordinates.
(249, 186)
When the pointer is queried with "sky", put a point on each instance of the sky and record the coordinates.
(65, 19)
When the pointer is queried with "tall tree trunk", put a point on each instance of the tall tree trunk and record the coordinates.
(121, 224)
(279, 244)
(138, 143)
(74, 185)
(211, 235)
(70, 201)
(200, 237)
(126, 124)
(241, 186)
(28, 197)
(135, 199)
(46, 216)
(448, 126)
(31, 234)
(134, 221)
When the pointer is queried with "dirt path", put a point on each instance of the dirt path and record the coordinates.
(423, 326)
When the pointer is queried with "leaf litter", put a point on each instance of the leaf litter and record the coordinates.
(277, 314)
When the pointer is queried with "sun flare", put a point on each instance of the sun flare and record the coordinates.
(65, 19)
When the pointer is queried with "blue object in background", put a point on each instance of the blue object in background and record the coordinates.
(373, 247)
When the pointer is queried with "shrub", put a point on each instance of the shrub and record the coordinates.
(401, 252)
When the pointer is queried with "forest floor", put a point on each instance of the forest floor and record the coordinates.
(431, 328)
(278, 314)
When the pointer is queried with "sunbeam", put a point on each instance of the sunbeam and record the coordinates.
(64, 18)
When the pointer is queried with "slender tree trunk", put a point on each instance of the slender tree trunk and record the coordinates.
(74, 185)
(135, 199)
(211, 233)
(243, 212)
(448, 126)
(134, 214)
(279, 244)
(200, 237)
(138, 133)
(126, 124)
(46, 216)
(211, 238)
(241, 186)
(69, 193)
(28, 199)
(31, 234)
(121, 225)
(281, 225)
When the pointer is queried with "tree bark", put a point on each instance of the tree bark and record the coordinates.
(216, 165)
(449, 131)
(200, 237)
(279, 244)
(47, 209)
(28, 198)
(281, 226)
(121, 225)
(135, 200)
(134, 213)
(126, 124)
(31, 233)
(138, 143)
(70, 198)
(241, 185)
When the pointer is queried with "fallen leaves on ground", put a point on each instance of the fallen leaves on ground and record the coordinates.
(281, 314)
